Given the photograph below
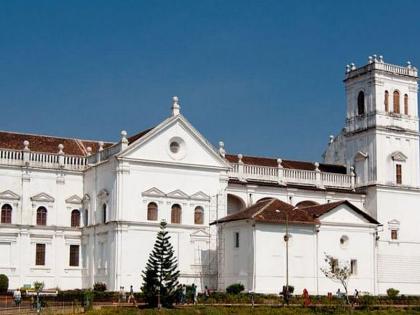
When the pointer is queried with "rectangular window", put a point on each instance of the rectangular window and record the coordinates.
(394, 234)
(236, 239)
(353, 267)
(74, 255)
(398, 170)
(334, 265)
(40, 255)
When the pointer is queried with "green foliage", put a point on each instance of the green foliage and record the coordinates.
(392, 293)
(38, 286)
(99, 286)
(235, 288)
(4, 283)
(161, 274)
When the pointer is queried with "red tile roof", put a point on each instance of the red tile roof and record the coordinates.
(49, 144)
(300, 165)
(274, 211)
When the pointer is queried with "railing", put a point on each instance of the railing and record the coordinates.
(42, 160)
(409, 70)
(245, 172)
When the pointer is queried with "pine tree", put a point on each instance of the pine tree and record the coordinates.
(161, 273)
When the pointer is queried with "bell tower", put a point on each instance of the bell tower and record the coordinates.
(381, 130)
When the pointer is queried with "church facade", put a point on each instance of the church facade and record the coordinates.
(75, 212)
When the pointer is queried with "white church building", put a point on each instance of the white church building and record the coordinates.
(75, 212)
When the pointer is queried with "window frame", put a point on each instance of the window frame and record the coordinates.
(361, 110)
(353, 266)
(74, 219)
(386, 101)
(41, 216)
(199, 210)
(398, 173)
(152, 211)
(74, 255)
(396, 102)
(40, 254)
(6, 214)
(394, 234)
(236, 240)
(176, 215)
(405, 104)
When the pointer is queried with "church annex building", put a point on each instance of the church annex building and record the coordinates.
(75, 212)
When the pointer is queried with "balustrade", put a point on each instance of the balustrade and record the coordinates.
(291, 176)
(42, 160)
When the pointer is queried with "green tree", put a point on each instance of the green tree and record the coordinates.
(160, 278)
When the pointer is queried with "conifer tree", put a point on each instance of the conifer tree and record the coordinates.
(161, 273)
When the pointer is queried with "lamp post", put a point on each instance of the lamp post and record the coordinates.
(286, 240)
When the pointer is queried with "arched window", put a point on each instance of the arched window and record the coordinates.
(75, 218)
(152, 211)
(6, 214)
(361, 103)
(199, 215)
(386, 101)
(234, 204)
(396, 102)
(104, 213)
(41, 216)
(405, 104)
(176, 213)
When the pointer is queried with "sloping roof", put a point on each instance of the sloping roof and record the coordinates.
(47, 144)
(270, 211)
(319, 210)
(300, 165)
(137, 136)
(274, 211)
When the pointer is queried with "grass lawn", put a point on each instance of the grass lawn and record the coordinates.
(214, 310)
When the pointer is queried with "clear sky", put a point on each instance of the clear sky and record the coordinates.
(264, 76)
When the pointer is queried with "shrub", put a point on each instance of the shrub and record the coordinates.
(235, 288)
(4, 283)
(392, 293)
(99, 286)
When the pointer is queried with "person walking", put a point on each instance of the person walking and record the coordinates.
(17, 296)
(195, 293)
(131, 298)
(184, 294)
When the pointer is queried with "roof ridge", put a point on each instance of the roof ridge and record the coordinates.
(263, 208)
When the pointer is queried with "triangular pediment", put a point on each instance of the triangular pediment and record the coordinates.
(9, 195)
(398, 156)
(155, 146)
(200, 234)
(360, 156)
(346, 213)
(394, 223)
(200, 196)
(153, 192)
(178, 194)
(43, 197)
(75, 199)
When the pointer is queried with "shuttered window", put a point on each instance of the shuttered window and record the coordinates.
(41, 216)
(398, 170)
(176, 213)
(152, 211)
(396, 102)
(74, 255)
(40, 255)
(6, 214)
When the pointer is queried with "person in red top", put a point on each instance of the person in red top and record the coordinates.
(306, 299)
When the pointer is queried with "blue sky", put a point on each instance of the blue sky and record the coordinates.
(264, 76)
